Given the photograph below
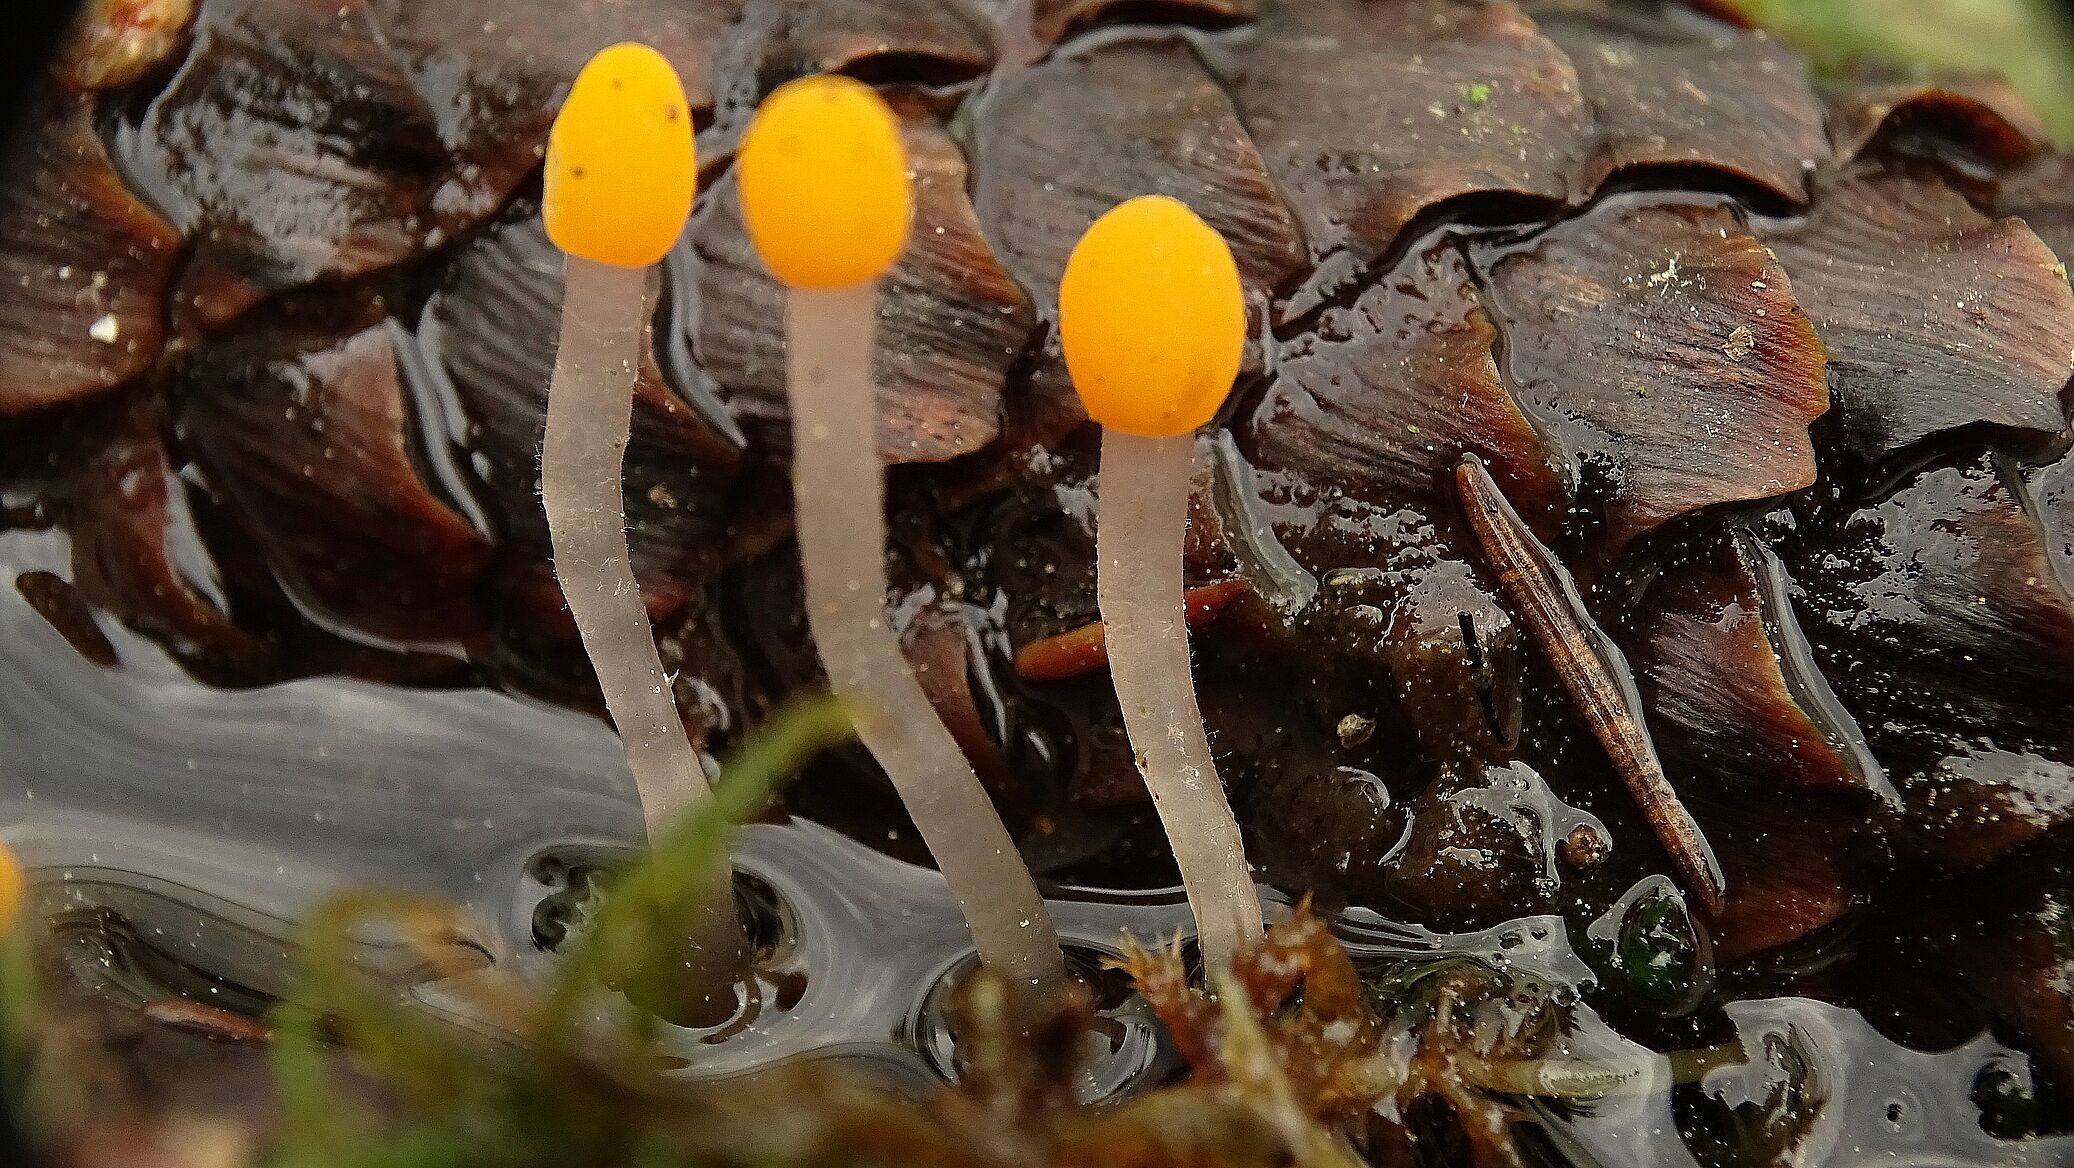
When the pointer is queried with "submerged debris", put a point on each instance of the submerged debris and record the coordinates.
(1440, 1060)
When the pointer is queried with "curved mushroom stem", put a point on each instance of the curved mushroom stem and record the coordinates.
(1138, 540)
(839, 498)
(589, 407)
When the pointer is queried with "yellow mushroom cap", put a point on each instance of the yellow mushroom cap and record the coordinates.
(823, 182)
(10, 888)
(621, 167)
(1152, 318)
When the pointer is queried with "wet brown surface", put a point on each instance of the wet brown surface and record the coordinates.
(2052, 485)
(1369, 115)
(1984, 950)
(1051, 20)
(1643, 331)
(1479, 836)
(390, 559)
(2042, 195)
(489, 77)
(1939, 618)
(1790, 863)
(938, 39)
(1773, 767)
(1403, 627)
(1045, 164)
(1935, 317)
(61, 606)
(1732, 101)
(385, 129)
(1725, 672)
(136, 551)
(295, 90)
(86, 266)
(1384, 397)
(1979, 116)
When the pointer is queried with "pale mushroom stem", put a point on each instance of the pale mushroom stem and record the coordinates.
(839, 499)
(1138, 539)
(589, 408)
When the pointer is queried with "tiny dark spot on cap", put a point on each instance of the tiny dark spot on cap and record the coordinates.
(670, 113)
(618, 84)
(575, 172)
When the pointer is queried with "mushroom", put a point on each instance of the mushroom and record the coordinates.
(619, 181)
(824, 192)
(18, 975)
(1153, 323)
(12, 886)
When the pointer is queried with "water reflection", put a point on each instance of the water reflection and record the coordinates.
(210, 821)
(181, 832)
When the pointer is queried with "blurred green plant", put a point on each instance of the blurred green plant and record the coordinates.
(367, 1080)
(468, 1100)
(2029, 42)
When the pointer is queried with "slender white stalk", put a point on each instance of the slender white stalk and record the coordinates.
(839, 497)
(589, 407)
(1138, 539)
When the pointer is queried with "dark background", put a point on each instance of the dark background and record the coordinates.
(28, 33)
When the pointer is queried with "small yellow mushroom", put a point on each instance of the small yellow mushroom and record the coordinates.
(619, 184)
(824, 184)
(1153, 322)
(621, 165)
(11, 889)
(824, 190)
(1152, 319)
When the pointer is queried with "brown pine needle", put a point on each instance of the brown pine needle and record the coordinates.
(1592, 669)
